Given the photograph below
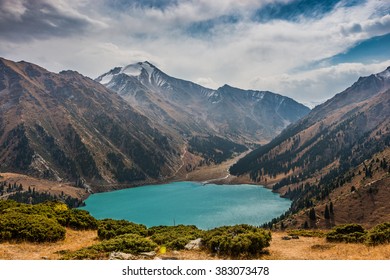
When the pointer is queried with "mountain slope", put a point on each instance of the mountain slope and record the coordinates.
(67, 126)
(304, 161)
(188, 109)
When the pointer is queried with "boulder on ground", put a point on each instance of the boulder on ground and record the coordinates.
(121, 256)
(194, 244)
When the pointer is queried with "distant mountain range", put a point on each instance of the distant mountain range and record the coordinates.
(68, 127)
(322, 152)
(186, 108)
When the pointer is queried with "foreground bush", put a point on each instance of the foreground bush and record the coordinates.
(109, 228)
(49, 209)
(6, 204)
(30, 227)
(239, 240)
(174, 237)
(379, 234)
(73, 218)
(127, 243)
(350, 233)
(77, 219)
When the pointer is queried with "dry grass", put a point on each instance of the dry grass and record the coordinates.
(304, 248)
(74, 240)
(316, 248)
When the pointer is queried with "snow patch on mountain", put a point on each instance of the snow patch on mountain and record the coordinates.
(148, 67)
(132, 69)
(258, 95)
(385, 74)
(106, 79)
(143, 71)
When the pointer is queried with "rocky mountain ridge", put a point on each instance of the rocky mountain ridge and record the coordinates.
(242, 116)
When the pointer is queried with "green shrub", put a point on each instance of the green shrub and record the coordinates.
(73, 218)
(237, 240)
(6, 204)
(379, 234)
(350, 233)
(174, 237)
(30, 227)
(306, 233)
(127, 243)
(109, 228)
(48, 209)
(77, 219)
(85, 254)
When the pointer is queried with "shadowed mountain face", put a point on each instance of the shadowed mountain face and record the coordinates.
(67, 126)
(188, 109)
(337, 135)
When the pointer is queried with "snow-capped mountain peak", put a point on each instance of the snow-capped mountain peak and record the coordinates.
(140, 70)
(136, 69)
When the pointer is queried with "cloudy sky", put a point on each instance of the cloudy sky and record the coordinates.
(306, 49)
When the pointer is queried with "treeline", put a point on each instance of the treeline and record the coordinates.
(343, 143)
(149, 161)
(31, 196)
(214, 149)
(22, 153)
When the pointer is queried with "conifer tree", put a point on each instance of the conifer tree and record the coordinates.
(326, 214)
(312, 214)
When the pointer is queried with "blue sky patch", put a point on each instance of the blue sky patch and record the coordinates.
(299, 9)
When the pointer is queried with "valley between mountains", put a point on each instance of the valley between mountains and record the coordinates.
(68, 135)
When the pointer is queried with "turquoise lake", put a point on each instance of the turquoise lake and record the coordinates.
(190, 203)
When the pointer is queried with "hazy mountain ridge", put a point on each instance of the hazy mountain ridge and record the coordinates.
(190, 109)
(66, 126)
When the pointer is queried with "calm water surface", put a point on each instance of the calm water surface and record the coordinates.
(190, 203)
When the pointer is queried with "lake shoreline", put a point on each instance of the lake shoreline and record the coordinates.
(185, 203)
(217, 174)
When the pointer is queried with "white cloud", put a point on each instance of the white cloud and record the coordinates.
(246, 54)
(207, 82)
(311, 87)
